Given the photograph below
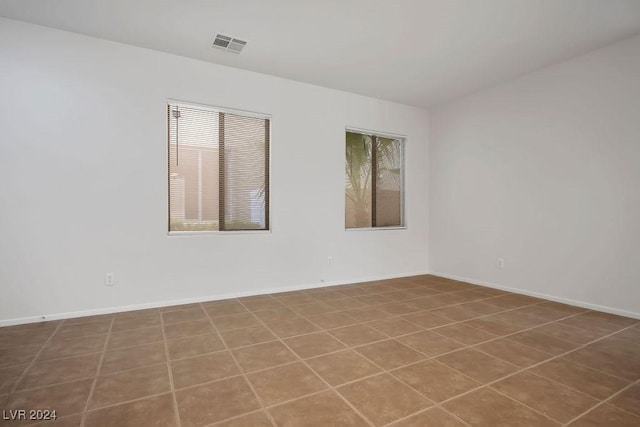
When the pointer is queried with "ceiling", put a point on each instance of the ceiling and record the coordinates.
(417, 52)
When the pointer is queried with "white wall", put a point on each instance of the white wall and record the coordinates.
(83, 180)
(544, 171)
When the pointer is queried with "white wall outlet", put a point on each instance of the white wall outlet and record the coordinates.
(109, 279)
(500, 262)
(330, 260)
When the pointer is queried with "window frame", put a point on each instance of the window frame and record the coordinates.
(403, 184)
(214, 108)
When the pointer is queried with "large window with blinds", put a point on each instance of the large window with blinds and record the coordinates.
(374, 180)
(218, 169)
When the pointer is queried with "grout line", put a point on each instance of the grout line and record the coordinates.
(240, 370)
(33, 361)
(314, 372)
(95, 380)
(354, 297)
(170, 371)
(607, 402)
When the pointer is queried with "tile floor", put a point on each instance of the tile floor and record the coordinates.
(414, 351)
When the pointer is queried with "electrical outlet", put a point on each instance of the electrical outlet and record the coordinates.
(500, 262)
(109, 279)
(330, 260)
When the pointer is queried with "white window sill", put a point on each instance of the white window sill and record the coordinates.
(215, 233)
(375, 228)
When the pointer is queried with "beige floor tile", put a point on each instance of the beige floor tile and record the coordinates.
(265, 355)
(435, 380)
(394, 327)
(82, 330)
(136, 322)
(157, 411)
(25, 337)
(630, 334)
(589, 322)
(523, 319)
(235, 321)
(383, 399)
(293, 299)
(428, 319)
(586, 380)
(628, 400)
(200, 369)
(543, 342)
(315, 344)
(276, 315)
(389, 354)
(293, 327)
(18, 355)
(398, 308)
(464, 334)
(180, 307)
(255, 419)
(73, 347)
(65, 399)
(133, 357)
(190, 314)
(373, 299)
(331, 320)
(223, 308)
(628, 369)
(247, 336)
(493, 326)
(129, 385)
(342, 367)
(193, 346)
(607, 415)
(430, 343)
(9, 377)
(570, 333)
(188, 329)
(512, 352)
(323, 409)
(135, 337)
(284, 383)
(138, 313)
(617, 348)
(488, 408)
(259, 304)
(60, 371)
(313, 308)
(513, 301)
(425, 316)
(610, 318)
(345, 303)
(552, 399)
(430, 417)
(366, 314)
(218, 401)
(357, 335)
(479, 366)
(456, 313)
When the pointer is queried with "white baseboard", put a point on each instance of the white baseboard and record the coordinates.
(168, 303)
(569, 301)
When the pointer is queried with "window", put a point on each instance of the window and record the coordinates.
(374, 176)
(218, 169)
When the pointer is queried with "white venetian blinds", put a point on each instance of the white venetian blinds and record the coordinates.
(218, 170)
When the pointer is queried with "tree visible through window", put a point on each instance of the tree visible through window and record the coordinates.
(218, 170)
(374, 181)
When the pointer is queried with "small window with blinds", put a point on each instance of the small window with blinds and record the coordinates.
(374, 180)
(218, 169)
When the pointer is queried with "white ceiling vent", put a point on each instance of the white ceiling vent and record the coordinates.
(229, 44)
